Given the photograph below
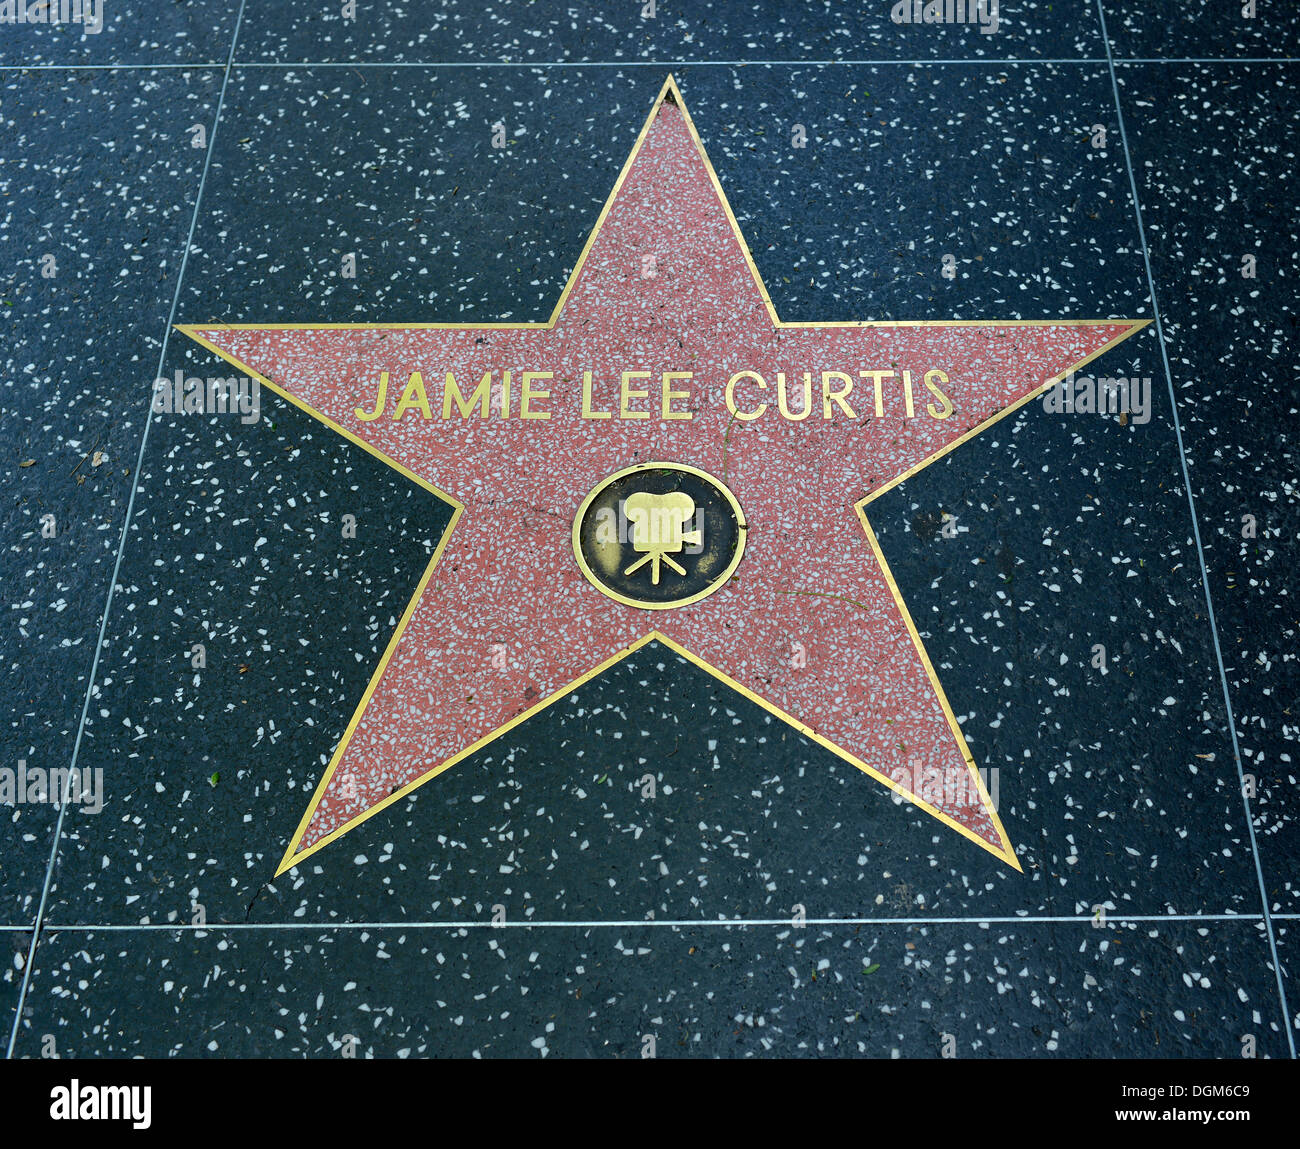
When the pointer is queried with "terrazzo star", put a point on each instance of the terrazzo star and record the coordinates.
(494, 633)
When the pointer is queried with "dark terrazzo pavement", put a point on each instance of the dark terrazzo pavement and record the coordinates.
(96, 170)
(1117, 789)
(174, 32)
(1162, 990)
(1219, 176)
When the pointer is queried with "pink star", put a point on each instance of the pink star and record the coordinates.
(811, 624)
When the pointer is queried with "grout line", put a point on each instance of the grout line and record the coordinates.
(1208, 60)
(631, 923)
(541, 64)
(676, 64)
(100, 67)
(1200, 550)
(121, 547)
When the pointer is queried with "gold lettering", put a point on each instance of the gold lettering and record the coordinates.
(665, 406)
(907, 394)
(452, 394)
(413, 396)
(527, 395)
(930, 378)
(829, 396)
(877, 377)
(587, 412)
(747, 416)
(380, 400)
(626, 393)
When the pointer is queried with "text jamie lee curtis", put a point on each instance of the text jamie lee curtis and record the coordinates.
(748, 395)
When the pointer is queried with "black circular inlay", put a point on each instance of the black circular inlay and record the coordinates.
(661, 519)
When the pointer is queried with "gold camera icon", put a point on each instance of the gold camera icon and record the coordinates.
(659, 529)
